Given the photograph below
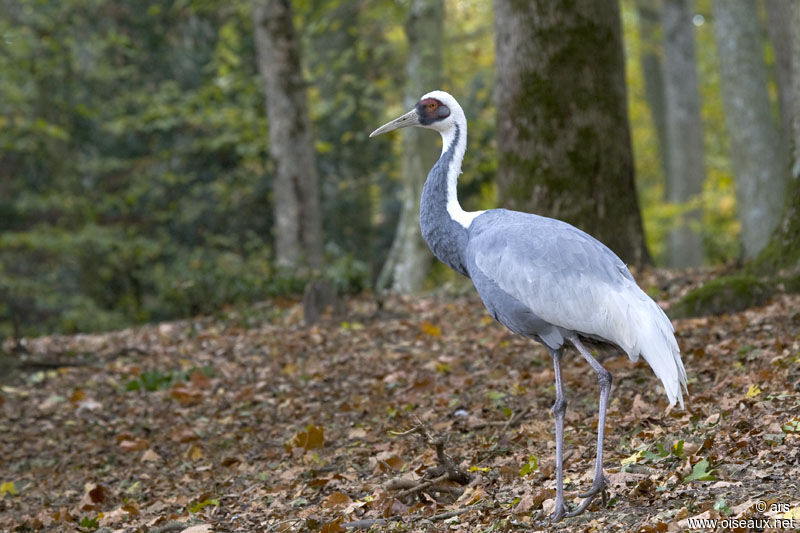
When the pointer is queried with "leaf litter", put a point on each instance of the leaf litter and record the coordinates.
(425, 416)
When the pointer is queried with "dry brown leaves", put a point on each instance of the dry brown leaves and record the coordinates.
(254, 422)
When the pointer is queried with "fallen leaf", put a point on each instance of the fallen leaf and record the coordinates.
(336, 499)
(7, 487)
(77, 396)
(472, 495)
(313, 437)
(199, 528)
(150, 456)
(195, 452)
(700, 472)
(530, 466)
(430, 329)
(133, 445)
(792, 514)
(524, 505)
(357, 433)
(633, 458)
(185, 395)
(350, 509)
(113, 517)
(199, 380)
(94, 496)
(753, 391)
(333, 527)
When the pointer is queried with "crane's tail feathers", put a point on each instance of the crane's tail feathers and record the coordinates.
(653, 337)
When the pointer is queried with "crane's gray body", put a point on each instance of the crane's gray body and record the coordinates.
(541, 277)
(491, 258)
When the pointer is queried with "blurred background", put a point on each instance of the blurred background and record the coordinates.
(138, 180)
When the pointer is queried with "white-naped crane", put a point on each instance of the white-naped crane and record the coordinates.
(541, 278)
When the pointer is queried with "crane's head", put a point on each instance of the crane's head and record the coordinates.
(436, 110)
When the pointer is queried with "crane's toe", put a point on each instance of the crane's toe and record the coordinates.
(598, 487)
(559, 512)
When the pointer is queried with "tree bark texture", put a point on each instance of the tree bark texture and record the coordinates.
(563, 138)
(757, 155)
(686, 170)
(783, 251)
(409, 258)
(298, 227)
(779, 28)
(649, 13)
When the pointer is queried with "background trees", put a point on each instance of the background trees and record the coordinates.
(298, 225)
(137, 183)
(562, 126)
(757, 152)
(409, 259)
(683, 143)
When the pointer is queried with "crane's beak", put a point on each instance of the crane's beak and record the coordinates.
(409, 119)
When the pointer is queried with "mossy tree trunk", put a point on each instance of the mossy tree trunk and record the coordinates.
(778, 263)
(298, 223)
(409, 257)
(782, 253)
(563, 138)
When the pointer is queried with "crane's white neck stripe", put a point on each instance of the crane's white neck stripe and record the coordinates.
(455, 138)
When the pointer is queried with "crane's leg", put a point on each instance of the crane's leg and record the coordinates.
(604, 380)
(559, 408)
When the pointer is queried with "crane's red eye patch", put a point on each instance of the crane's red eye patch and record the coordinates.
(430, 110)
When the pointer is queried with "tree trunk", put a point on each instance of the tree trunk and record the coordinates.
(757, 155)
(298, 228)
(409, 258)
(563, 138)
(686, 170)
(782, 253)
(779, 28)
(651, 52)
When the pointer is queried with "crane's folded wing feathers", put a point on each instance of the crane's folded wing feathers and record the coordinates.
(573, 281)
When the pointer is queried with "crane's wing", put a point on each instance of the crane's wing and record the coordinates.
(573, 281)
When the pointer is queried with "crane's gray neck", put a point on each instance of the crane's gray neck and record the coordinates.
(444, 224)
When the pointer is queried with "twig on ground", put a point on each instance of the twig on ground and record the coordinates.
(435, 478)
(422, 486)
(505, 424)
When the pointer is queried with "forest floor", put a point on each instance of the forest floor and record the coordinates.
(251, 421)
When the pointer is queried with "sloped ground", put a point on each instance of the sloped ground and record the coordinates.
(252, 422)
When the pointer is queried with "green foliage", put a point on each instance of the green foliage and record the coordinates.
(530, 466)
(135, 178)
(154, 380)
(199, 506)
(701, 472)
(151, 381)
(662, 453)
(348, 274)
(135, 182)
(722, 507)
(90, 523)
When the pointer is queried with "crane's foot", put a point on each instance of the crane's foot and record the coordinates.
(598, 487)
(559, 512)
